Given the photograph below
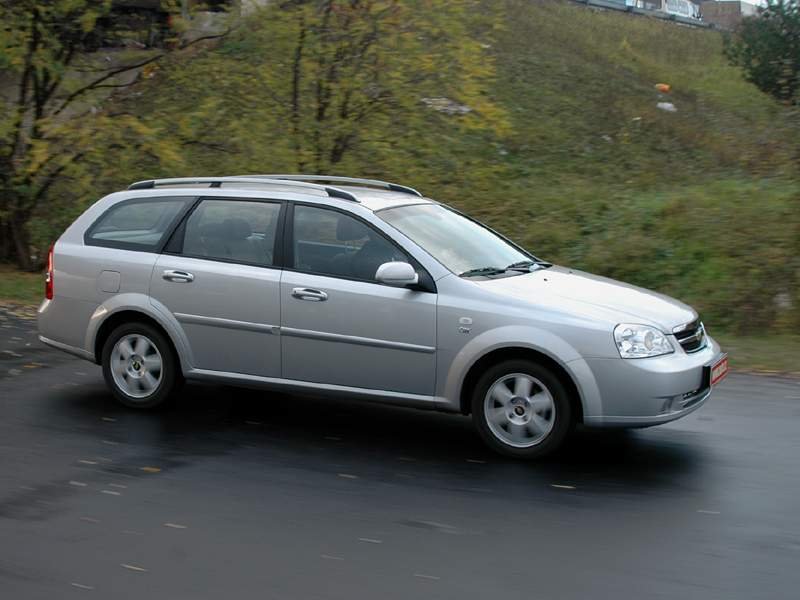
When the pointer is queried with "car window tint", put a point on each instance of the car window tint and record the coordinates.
(139, 224)
(233, 230)
(329, 242)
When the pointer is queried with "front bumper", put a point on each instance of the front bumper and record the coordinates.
(651, 391)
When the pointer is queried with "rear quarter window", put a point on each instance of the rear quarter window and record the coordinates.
(137, 224)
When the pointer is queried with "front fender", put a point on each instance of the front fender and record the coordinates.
(531, 338)
(152, 308)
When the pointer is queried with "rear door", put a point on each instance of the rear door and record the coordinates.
(218, 277)
(339, 325)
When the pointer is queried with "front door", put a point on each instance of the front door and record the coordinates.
(219, 281)
(339, 325)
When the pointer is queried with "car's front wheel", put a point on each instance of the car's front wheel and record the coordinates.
(521, 409)
(139, 366)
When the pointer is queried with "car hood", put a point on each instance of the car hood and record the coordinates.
(567, 290)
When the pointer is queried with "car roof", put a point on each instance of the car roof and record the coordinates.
(379, 199)
(371, 194)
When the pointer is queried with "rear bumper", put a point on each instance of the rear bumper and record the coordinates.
(62, 325)
(79, 352)
(647, 392)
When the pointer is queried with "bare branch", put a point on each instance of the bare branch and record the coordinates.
(50, 179)
(95, 84)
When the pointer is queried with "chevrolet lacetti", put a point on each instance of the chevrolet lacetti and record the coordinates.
(364, 289)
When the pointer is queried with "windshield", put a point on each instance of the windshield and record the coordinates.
(458, 243)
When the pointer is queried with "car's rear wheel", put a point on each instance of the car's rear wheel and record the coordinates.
(521, 409)
(140, 366)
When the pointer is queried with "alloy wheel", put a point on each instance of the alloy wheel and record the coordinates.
(519, 410)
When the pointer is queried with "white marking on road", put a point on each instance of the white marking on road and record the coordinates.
(476, 461)
(329, 557)
(110, 492)
(437, 525)
(89, 520)
(424, 576)
(78, 483)
(80, 586)
(562, 487)
(175, 525)
(109, 419)
(708, 512)
(133, 568)
(88, 462)
(111, 442)
(118, 485)
(348, 476)
(370, 540)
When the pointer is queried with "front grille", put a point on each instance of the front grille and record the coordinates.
(692, 336)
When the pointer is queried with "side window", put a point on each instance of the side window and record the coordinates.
(239, 231)
(332, 243)
(136, 224)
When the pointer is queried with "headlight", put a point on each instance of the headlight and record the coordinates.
(640, 341)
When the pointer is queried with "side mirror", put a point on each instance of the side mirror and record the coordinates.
(397, 273)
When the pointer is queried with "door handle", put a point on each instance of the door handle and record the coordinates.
(177, 276)
(309, 294)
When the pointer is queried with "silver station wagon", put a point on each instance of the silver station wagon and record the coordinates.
(364, 289)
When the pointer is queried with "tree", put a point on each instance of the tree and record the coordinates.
(319, 85)
(767, 47)
(51, 117)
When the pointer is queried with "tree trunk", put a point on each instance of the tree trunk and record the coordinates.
(6, 247)
(21, 243)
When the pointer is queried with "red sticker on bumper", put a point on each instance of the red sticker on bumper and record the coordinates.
(719, 371)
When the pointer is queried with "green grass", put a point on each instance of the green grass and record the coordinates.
(20, 288)
(776, 354)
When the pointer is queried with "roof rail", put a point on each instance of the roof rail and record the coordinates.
(395, 187)
(216, 182)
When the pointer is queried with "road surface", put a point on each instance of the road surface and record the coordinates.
(241, 494)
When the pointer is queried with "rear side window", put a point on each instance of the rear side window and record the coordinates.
(139, 224)
(233, 230)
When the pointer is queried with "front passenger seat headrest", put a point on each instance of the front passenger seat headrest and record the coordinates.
(348, 230)
(237, 229)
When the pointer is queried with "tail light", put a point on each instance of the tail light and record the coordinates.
(48, 280)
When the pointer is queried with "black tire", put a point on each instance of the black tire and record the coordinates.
(561, 415)
(170, 375)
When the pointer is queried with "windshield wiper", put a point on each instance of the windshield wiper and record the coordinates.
(482, 271)
(525, 265)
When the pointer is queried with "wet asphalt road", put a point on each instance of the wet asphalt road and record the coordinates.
(241, 494)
